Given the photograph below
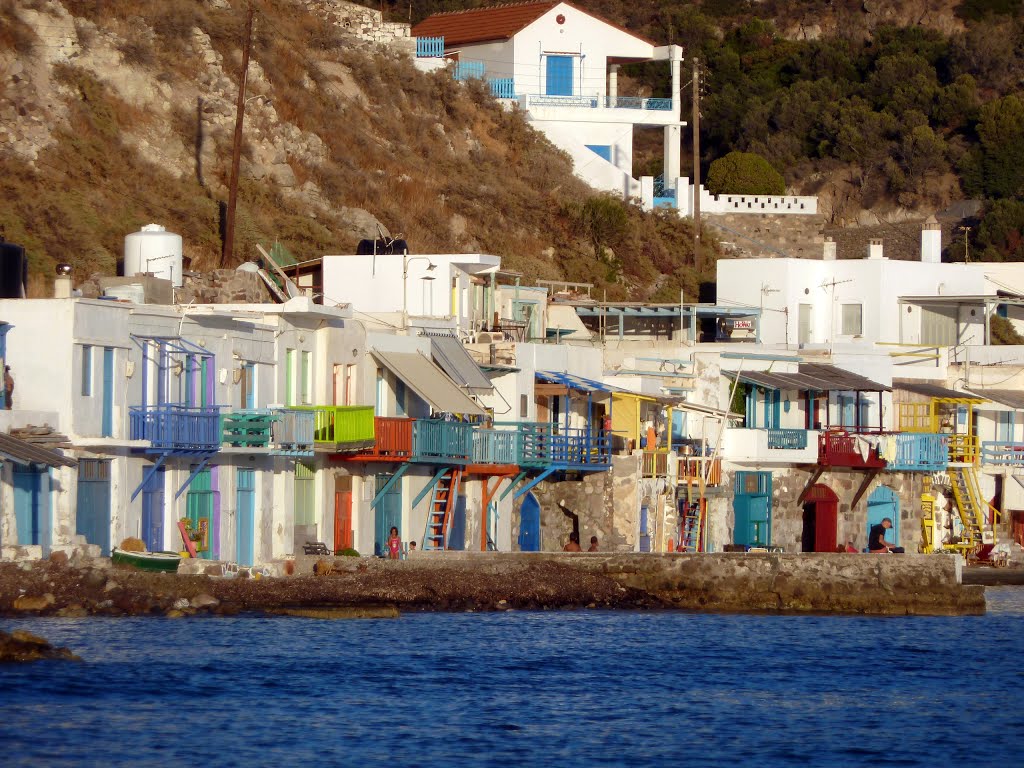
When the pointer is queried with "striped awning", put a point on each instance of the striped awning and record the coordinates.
(428, 381)
(23, 452)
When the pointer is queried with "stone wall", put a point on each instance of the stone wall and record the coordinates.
(224, 286)
(363, 23)
(606, 504)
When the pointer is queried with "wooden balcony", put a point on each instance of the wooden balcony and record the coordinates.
(293, 432)
(176, 428)
(341, 427)
(495, 446)
(250, 428)
(963, 449)
(692, 468)
(999, 454)
(919, 452)
(434, 440)
(654, 464)
(848, 450)
(542, 445)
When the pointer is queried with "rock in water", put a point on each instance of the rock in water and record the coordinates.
(24, 646)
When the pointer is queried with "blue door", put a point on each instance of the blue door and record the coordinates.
(153, 512)
(529, 524)
(559, 76)
(32, 506)
(199, 503)
(245, 490)
(457, 532)
(387, 515)
(108, 392)
(92, 515)
(883, 502)
(751, 506)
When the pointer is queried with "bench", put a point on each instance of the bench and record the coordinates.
(315, 548)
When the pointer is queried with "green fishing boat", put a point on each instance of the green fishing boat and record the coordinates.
(161, 562)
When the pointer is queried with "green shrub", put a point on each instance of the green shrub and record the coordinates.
(347, 553)
(744, 173)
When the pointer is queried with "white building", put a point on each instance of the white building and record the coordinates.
(560, 64)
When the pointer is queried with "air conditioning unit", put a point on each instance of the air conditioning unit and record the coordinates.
(489, 337)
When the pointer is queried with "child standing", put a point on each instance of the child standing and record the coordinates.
(394, 544)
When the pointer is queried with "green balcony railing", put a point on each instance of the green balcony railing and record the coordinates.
(250, 428)
(341, 425)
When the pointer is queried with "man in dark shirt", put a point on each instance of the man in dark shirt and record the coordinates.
(876, 538)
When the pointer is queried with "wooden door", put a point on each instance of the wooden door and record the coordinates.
(343, 536)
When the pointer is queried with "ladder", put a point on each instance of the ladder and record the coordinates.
(442, 505)
(974, 510)
(691, 525)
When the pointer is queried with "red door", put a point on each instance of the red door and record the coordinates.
(826, 521)
(342, 520)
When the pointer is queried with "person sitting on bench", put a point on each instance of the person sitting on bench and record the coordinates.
(876, 538)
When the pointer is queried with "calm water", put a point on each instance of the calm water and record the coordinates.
(567, 689)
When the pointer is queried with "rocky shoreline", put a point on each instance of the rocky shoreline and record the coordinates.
(494, 582)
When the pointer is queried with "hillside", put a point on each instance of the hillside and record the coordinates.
(117, 113)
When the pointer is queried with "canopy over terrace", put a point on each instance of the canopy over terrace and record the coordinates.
(671, 321)
(429, 382)
(935, 408)
(813, 378)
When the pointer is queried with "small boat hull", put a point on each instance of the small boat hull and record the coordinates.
(158, 562)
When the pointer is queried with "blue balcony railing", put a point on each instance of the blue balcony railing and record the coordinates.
(436, 440)
(1002, 454)
(502, 87)
(495, 446)
(919, 452)
(430, 47)
(176, 427)
(787, 439)
(467, 70)
(603, 102)
(541, 445)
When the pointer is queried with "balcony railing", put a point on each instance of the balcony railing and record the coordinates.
(602, 102)
(341, 426)
(787, 439)
(654, 464)
(963, 449)
(502, 87)
(429, 47)
(917, 452)
(469, 70)
(692, 468)
(176, 427)
(495, 446)
(844, 449)
(437, 440)
(250, 428)
(293, 431)
(541, 444)
(1002, 454)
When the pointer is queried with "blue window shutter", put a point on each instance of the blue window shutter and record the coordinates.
(559, 70)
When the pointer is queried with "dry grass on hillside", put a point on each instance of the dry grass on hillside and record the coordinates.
(435, 160)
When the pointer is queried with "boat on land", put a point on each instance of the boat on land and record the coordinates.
(160, 562)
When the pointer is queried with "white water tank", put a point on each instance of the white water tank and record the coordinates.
(155, 250)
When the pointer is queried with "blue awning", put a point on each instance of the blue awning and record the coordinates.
(572, 381)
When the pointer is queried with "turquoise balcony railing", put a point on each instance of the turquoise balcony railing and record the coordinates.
(787, 439)
(176, 427)
(542, 445)
(437, 440)
(468, 70)
(249, 428)
(502, 87)
(1001, 454)
(495, 446)
(919, 452)
(430, 47)
(341, 426)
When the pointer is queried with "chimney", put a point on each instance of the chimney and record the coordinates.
(875, 249)
(829, 250)
(931, 242)
(62, 283)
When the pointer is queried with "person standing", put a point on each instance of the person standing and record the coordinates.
(394, 544)
(8, 388)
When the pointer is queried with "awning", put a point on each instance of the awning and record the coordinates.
(814, 377)
(428, 381)
(1009, 397)
(456, 361)
(23, 452)
(935, 391)
(579, 383)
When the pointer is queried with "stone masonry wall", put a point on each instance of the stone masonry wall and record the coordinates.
(363, 23)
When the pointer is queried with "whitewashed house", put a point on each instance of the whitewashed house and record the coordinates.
(560, 64)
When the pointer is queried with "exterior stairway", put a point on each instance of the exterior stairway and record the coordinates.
(442, 505)
(975, 513)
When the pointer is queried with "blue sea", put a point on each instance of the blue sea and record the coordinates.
(572, 688)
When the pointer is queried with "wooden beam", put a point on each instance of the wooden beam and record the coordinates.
(550, 389)
(864, 486)
(810, 484)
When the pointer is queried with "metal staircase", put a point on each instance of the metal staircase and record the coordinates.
(442, 505)
(975, 513)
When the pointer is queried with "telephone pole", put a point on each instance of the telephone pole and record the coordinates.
(696, 165)
(228, 246)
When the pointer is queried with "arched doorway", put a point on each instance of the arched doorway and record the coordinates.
(882, 503)
(820, 520)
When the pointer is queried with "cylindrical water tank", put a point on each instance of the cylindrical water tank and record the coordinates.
(155, 250)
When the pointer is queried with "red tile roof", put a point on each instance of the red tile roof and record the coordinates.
(499, 22)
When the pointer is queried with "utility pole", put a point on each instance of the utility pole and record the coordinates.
(227, 250)
(696, 165)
